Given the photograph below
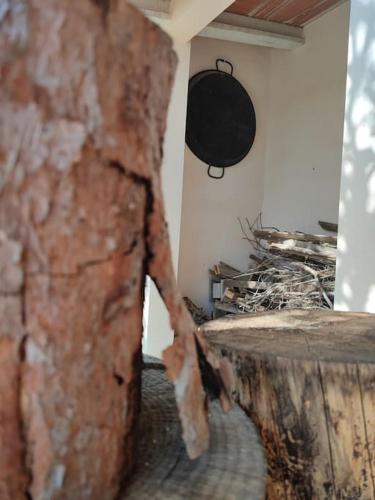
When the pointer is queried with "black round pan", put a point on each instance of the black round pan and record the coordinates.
(221, 124)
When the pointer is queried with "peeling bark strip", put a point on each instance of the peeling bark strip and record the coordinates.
(307, 380)
(83, 98)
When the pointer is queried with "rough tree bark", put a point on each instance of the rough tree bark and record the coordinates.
(83, 97)
(307, 380)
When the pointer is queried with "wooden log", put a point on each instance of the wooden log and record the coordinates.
(271, 235)
(229, 295)
(329, 226)
(307, 379)
(228, 308)
(84, 93)
(223, 270)
(320, 255)
(243, 284)
(83, 99)
(219, 289)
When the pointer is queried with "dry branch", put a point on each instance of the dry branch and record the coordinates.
(297, 273)
(318, 254)
(263, 234)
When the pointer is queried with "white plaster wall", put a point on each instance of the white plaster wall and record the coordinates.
(210, 208)
(355, 276)
(293, 172)
(157, 332)
(305, 124)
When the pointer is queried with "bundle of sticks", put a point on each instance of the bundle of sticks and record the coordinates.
(290, 270)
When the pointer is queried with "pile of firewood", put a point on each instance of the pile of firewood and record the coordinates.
(291, 270)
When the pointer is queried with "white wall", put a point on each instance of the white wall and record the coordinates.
(355, 276)
(210, 231)
(293, 172)
(306, 113)
(157, 332)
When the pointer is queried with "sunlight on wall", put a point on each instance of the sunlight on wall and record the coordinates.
(370, 304)
(304, 127)
(355, 279)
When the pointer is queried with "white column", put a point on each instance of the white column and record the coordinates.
(189, 17)
(157, 332)
(355, 280)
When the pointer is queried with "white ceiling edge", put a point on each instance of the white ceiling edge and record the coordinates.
(227, 26)
(251, 31)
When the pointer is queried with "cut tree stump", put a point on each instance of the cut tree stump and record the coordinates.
(307, 380)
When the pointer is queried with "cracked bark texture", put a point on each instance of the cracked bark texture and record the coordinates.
(306, 379)
(83, 98)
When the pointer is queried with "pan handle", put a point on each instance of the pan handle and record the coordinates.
(224, 61)
(214, 176)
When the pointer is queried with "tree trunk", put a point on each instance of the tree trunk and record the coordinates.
(83, 99)
(307, 380)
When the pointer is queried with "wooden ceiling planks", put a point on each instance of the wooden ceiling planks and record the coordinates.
(314, 12)
(246, 7)
(295, 12)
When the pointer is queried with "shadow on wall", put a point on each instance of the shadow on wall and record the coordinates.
(355, 284)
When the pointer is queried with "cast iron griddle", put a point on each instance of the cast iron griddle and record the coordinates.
(221, 124)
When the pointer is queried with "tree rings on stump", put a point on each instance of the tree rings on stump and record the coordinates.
(307, 380)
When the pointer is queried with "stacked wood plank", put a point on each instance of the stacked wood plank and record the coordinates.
(290, 270)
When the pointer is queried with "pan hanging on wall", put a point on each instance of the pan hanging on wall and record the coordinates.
(221, 124)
